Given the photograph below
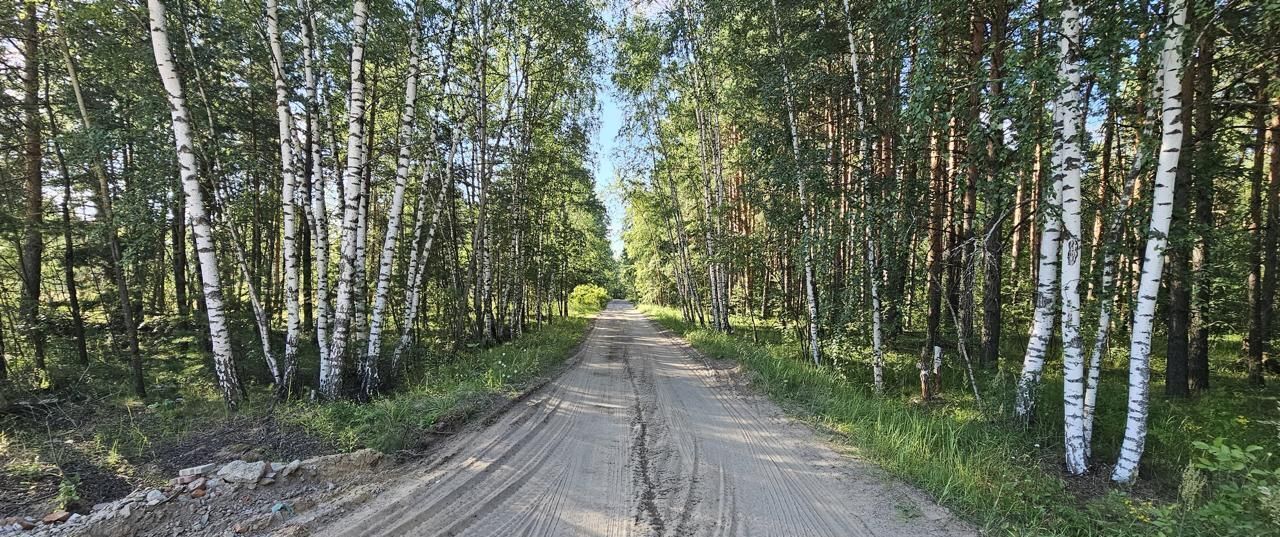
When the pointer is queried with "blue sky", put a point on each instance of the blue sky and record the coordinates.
(606, 145)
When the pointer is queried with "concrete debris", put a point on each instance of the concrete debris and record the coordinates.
(243, 472)
(155, 497)
(186, 505)
(197, 470)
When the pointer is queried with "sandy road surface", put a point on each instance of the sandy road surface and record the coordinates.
(642, 438)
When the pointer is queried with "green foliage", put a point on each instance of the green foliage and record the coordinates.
(67, 492)
(1227, 490)
(588, 297)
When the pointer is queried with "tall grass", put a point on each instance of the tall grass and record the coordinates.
(445, 391)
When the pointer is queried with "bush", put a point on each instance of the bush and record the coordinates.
(588, 297)
(1226, 490)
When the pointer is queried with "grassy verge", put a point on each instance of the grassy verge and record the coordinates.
(444, 392)
(1003, 477)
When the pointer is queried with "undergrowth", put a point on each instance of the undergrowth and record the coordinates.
(89, 439)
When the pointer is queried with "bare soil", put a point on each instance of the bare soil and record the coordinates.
(641, 437)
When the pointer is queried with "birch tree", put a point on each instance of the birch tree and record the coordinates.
(1171, 63)
(1046, 288)
(806, 246)
(865, 156)
(318, 212)
(408, 123)
(331, 366)
(1107, 285)
(1067, 171)
(284, 372)
(224, 362)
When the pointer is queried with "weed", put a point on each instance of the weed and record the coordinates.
(68, 493)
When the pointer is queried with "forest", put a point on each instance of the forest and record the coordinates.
(1021, 255)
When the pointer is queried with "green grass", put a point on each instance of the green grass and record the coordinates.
(445, 391)
(1004, 477)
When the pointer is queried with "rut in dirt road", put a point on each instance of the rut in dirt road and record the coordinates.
(642, 438)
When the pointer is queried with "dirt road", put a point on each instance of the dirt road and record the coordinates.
(642, 438)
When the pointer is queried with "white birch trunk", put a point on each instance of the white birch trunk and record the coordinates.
(1135, 431)
(331, 367)
(360, 321)
(319, 213)
(1067, 170)
(418, 264)
(283, 374)
(865, 156)
(369, 362)
(1102, 334)
(1106, 297)
(811, 293)
(1046, 291)
(223, 360)
(259, 313)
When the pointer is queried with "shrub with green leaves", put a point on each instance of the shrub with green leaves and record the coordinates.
(588, 297)
(1226, 490)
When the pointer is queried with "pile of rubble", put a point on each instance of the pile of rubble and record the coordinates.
(190, 490)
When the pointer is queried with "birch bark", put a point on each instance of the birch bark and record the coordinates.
(224, 362)
(1135, 434)
(319, 213)
(283, 374)
(806, 240)
(1046, 289)
(1067, 171)
(369, 362)
(331, 364)
(865, 157)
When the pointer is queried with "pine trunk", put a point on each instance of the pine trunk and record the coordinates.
(32, 251)
(105, 206)
(1255, 340)
(1203, 192)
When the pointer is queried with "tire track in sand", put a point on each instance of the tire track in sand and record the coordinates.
(641, 437)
